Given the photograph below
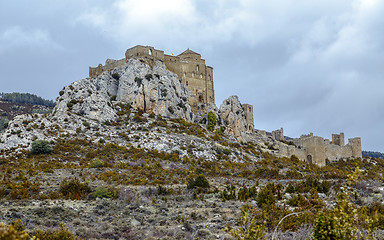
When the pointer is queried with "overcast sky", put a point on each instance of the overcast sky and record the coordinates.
(307, 66)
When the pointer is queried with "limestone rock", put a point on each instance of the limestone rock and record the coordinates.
(233, 117)
(153, 90)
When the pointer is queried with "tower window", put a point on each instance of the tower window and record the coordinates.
(201, 75)
(197, 68)
(193, 74)
(185, 74)
(150, 52)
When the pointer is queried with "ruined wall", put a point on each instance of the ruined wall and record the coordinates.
(278, 134)
(110, 64)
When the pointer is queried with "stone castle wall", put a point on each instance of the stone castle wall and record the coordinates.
(318, 150)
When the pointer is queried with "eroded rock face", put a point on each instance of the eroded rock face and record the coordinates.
(154, 90)
(232, 115)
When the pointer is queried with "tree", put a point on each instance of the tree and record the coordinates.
(211, 121)
(41, 147)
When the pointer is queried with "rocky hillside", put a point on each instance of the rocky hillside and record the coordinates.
(123, 156)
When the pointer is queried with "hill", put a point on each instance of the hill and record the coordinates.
(123, 156)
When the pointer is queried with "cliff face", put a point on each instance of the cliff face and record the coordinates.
(232, 114)
(153, 90)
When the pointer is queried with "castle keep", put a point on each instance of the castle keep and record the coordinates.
(189, 66)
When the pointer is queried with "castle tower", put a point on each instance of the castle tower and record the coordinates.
(248, 111)
(197, 76)
(355, 143)
(278, 134)
(338, 139)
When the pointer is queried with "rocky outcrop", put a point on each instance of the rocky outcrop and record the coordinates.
(232, 115)
(153, 90)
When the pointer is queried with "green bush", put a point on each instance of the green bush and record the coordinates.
(105, 192)
(211, 121)
(138, 81)
(116, 76)
(266, 196)
(74, 189)
(113, 98)
(3, 123)
(148, 76)
(170, 109)
(199, 181)
(97, 163)
(41, 147)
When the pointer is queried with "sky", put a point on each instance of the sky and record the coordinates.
(307, 66)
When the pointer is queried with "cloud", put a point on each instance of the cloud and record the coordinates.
(16, 37)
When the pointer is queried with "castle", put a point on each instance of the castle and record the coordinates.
(189, 67)
(198, 77)
(317, 150)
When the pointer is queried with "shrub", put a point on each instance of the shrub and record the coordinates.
(266, 196)
(60, 233)
(211, 121)
(170, 109)
(105, 192)
(148, 76)
(3, 123)
(97, 163)
(138, 81)
(9, 232)
(41, 147)
(116, 76)
(61, 93)
(199, 181)
(113, 98)
(248, 229)
(74, 189)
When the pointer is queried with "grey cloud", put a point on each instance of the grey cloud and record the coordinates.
(307, 66)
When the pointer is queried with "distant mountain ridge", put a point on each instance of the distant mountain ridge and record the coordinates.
(373, 154)
(13, 104)
(26, 98)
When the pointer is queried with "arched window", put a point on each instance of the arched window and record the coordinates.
(201, 75)
(186, 83)
(197, 67)
(150, 52)
(193, 74)
(185, 74)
